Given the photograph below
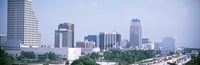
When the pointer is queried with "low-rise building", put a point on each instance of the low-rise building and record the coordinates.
(63, 53)
(85, 44)
(87, 51)
(3, 39)
(14, 48)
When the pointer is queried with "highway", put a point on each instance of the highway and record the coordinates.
(179, 60)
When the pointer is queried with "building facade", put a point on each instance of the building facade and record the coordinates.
(158, 45)
(124, 43)
(108, 40)
(92, 38)
(3, 39)
(146, 44)
(136, 34)
(15, 47)
(64, 36)
(168, 44)
(87, 51)
(85, 44)
(22, 23)
(64, 53)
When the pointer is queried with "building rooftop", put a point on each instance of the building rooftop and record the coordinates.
(12, 42)
(65, 25)
(135, 20)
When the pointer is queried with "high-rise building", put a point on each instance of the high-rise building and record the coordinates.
(136, 34)
(168, 45)
(22, 23)
(158, 45)
(64, 36)
(3, 39)
(92, 38)
(108, 40)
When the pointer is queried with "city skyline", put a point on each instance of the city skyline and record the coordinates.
(90, 18)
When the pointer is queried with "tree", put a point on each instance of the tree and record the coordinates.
(172, 64)
(52, 56)
(67, 63)
(95, 56)
(122, 63)
(107, 55)
(19, 58)
(77, 62)
(27, 55)
(195, 60)
(171, 53)
(84, 61)
(5, 59)
(49, 55)
(128, 57)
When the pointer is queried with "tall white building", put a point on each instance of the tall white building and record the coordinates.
(135, 34)
(22, 23)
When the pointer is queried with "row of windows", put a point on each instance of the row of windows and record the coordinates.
(21, 17)
(17, 25)
(27, 34)
(14, 28)
(13, 20)
(15, 10)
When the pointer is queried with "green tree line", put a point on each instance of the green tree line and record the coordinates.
(128, 57)
(84, 61)
(5, 59)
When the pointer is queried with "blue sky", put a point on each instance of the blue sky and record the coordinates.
(159, 18)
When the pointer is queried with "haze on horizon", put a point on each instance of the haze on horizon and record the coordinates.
(159, 18)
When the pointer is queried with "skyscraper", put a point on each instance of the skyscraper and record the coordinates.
(135, 34)
(22, 23)
(168, 45)
(92, 38)
(64, 36)
(109, 40)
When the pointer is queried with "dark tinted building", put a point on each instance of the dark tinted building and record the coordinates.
(109, 40)
(93, 38)
(64, 36)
